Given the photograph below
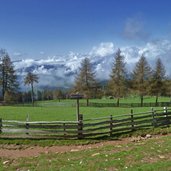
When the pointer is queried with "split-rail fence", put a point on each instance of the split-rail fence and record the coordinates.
(86, 128)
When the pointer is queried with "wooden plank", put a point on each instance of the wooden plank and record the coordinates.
(143, 121)
(122, 124)
(143, 126)
(122, 129)
(163, 119)
(96, 123)
(163, 124)
(142, 117)
(55, 126)
(40, 122)
(142, 113)
(48, 131)
(163, 114)
(13, 126)
(6, 130)
(93, 119)
(121, 120)
(130, 123)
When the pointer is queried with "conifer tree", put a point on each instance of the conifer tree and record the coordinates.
(8, 77)
(141, 77)
(117, 82)
(158, 79)
(85, 82)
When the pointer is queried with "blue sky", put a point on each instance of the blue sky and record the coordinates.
(40, 28)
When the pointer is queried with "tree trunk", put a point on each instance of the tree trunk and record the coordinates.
(142, 99)
(87, 101)
(118, 99)
(32, 94)
(156, 100)
(3, 82)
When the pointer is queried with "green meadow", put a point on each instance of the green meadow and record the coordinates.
(151, 154)
(65, 110)
(60, 113)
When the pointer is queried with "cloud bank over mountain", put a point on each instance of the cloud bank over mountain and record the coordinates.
(59, 71)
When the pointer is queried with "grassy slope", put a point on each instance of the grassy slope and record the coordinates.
(153, 154)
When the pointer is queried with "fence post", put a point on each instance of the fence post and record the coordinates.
(132, 121)
(64, 129)
(27, 128)
(111, 125)
(165, 111)
(80, 126)
(154, 121)
(27, 124)
(0, 125)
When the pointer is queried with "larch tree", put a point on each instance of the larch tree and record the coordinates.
(142, 74)
(85, 82)
(30, 79)
(158, 79)
(8, 77)
(117, 82)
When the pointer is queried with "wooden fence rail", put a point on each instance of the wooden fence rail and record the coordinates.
(88, 128)
(159, 104)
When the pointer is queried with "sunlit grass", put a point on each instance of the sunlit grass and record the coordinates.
(61, 113)
(152, 154)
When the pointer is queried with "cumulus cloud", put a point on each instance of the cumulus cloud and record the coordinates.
(60, 71)
(104, 49)
(134, 29)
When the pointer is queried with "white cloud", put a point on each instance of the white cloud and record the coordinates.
(104, 49)
(60, 71)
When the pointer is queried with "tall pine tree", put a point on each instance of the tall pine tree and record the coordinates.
(85, 82)
(117, 82)
(141, 77)
(158, 80)
(8, 78)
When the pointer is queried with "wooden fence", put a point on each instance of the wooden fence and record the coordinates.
(150, 104)
(86, 128)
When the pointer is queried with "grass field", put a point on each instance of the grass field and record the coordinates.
(67, 102)
(153, 154)
(61, 113)
(66, 110)
(149, 155)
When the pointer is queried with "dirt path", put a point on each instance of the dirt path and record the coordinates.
(17, 151)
